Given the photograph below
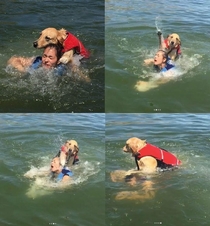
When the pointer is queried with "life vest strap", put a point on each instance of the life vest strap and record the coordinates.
(136, 161)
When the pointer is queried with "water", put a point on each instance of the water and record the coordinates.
(29, 142)
(130, 36)
(21, 24)
(181, 196)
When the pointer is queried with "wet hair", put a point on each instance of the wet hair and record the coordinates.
(57, 47)
(165, 54)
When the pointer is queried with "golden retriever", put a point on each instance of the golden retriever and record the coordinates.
(146, 164)
(69, 153)
(148, 156)
(71, 45)
(172, 45)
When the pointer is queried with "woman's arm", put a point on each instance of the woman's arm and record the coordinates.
(20, 63)
(149, 61)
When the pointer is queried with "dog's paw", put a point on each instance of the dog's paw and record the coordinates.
(159, 33)
(64, 60)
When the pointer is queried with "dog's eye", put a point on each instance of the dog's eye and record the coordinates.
(47, 38)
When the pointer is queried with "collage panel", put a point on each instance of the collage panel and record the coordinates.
(157, 56)
(172, 184)
(96, 103)
(52, 56)
(35, 189)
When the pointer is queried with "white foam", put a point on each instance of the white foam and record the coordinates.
(42, 185)
(182, 66)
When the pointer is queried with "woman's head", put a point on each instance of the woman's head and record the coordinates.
(51, 55)
(160, 58)
(55, 165)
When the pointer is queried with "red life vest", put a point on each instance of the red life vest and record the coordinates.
(159, 154)
(71, 42)
(178, 48)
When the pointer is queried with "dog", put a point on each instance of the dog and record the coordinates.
(71, 44)
(148, 158)
(68, 153)
(172, 45)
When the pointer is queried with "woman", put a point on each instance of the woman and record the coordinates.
(49, 60)
(161, 61)
(58, 172)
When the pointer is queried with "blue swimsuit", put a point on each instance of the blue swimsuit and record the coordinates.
(169, 65)
(63, 173)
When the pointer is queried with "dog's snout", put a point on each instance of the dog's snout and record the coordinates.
(172, 43)
(35, 44)
(125, 149)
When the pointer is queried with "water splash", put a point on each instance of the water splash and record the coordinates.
(42, 185)
(158, 23)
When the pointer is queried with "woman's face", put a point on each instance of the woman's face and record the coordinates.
(55, 165)
(49, 58)
(159, 58)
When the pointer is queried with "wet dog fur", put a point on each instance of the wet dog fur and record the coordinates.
(68, 153)
(147, 166)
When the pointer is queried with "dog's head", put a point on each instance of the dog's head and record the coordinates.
(173, 40)
(68, 151)
(72, 146)
(133, 145)
(50, 36)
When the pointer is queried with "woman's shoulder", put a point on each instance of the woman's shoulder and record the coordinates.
(36, 62)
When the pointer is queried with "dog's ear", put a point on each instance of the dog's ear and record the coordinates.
(76, 149)
(178, 40)
(140, 144)
(61, 35)
(133, 147)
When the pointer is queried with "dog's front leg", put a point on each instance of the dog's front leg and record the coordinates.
(67, 57)
(161, 40)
